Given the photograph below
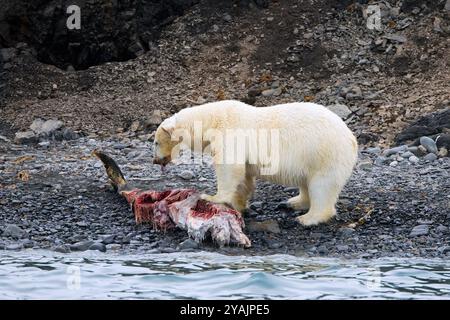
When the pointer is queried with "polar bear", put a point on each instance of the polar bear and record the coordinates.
(313, 150)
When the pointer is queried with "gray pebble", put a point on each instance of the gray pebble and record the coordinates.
(62, 249)
(81, 246)
(413, 159)
(407, 154)
(188, 244)
(14, 231)
(379, 161)
(395, 150)
(14, 247)
(374, 150)
(430, 157)
(341, 247)
(256, 205)
(420, 230)
(346, 231)
(98, 246)
(429, 144)
(187, 175)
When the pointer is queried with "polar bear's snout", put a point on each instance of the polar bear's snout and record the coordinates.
(161, 161)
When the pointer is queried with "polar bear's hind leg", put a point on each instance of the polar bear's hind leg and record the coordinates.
(300, 202)
(323, 194)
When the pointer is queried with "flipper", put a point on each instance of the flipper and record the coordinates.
(113, 171)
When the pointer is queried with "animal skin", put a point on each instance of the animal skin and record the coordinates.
(180, 208)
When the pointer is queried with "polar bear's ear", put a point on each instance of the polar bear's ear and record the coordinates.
(168, 125)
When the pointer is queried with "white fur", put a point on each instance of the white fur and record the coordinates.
(317, 152)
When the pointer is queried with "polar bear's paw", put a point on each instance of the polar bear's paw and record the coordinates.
(207, 197)
(214, 199)
(311, 219)
(298, 203)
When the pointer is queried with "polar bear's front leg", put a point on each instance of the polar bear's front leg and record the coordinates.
(230, 179)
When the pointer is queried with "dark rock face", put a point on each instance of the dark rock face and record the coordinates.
(110, 30)
(428, 125)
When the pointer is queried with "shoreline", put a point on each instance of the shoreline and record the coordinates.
(67, 203)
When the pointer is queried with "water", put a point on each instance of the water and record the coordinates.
(92, 275)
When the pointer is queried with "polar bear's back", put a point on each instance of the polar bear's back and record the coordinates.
(312, 138)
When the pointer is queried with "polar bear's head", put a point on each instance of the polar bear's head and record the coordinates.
(163, 143)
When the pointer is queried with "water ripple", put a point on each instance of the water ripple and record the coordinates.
(37, 275)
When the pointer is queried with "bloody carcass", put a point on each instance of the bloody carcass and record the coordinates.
(180, 208)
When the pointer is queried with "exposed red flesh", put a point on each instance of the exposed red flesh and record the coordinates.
(183, 208)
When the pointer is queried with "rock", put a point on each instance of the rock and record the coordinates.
(395, 37)
(443, 141)
(413, 159)
(340, 109)
(25, 137)
(322, 249)
(14, 231)
(62, 249)
(186, 175)
(113, 247)
(256, 205)
(346, 231)
(119, 146)
(429, 144)
(27, 244)
(428, 125)
(379, 161)
(271, 92)
(374, 150)
(154, 120)
(227, 17)
(188, 244)
(342, 247)
(443, 249)
(98, 246)
(135, 126)
(430, 157)
(69, 134)
(441, 229)
(351, 93)
(420, 230)
(443, 152)
(4, 139)
(447, 6)
(391, 151)
(264, 226)
(81, 246)
(406, 154)
(365, 165)
(421, 151)
(7, 54)
(108, 239)
(14, 247)
(41, 127)
(393, 163)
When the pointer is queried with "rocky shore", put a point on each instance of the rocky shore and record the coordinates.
(56, 196)
(391, 86)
